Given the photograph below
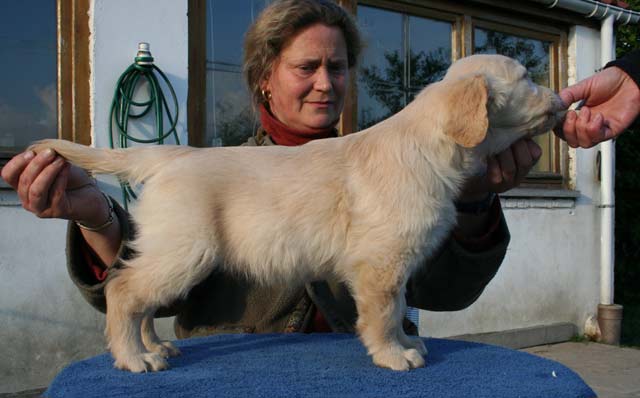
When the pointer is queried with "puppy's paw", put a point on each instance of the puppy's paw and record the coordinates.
(145, 362)
(394, 358)
(414, 357)
(165, 349)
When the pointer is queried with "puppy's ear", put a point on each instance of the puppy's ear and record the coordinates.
(466, 119)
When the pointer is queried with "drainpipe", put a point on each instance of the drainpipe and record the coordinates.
(609, 314)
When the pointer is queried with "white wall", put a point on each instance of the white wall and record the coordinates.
(551, 271)
(118, 27)
(45, 323)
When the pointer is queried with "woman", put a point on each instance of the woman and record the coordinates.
(298, 59)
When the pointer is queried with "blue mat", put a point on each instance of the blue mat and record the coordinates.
(322, 365)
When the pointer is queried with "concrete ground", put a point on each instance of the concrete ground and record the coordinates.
(612, 372)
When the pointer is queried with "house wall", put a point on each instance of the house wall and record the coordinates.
(549, 276)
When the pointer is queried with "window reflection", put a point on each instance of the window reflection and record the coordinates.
(230, 120)
(531, 53)
(403, 54)
(28, 49)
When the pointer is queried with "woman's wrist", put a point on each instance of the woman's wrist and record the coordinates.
(101, 230)
(100, 225)
(90, 206)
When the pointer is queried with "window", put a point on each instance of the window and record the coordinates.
(397, 62)
(28, 99)
(229, 117)
(44, 74)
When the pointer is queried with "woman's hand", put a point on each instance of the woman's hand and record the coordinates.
(49, 187)
(611, 104)
(505, 171)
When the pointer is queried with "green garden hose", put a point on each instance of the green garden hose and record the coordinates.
(121, 107)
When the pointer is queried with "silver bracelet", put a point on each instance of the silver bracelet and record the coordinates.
(109, 221)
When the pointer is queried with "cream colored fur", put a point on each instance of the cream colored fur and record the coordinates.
(368, 207)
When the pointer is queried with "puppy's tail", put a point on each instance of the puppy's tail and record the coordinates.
(132, 164)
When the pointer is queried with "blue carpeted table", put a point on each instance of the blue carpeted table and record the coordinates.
(322, 365)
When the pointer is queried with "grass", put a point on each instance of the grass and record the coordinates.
(579, 338)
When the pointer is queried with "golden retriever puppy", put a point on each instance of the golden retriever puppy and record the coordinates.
(368, 207)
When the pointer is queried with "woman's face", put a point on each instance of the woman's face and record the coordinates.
(309, 79)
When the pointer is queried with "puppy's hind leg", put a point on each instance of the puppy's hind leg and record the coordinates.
(153, 343)
(126, 306)
(379, 296)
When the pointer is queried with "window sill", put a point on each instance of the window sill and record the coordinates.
(539, 198)
(541, 193)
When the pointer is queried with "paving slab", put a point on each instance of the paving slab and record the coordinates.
(611, 371)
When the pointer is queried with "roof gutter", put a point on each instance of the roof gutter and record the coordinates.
(594, 9)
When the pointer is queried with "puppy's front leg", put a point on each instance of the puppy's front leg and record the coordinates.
(379, 296)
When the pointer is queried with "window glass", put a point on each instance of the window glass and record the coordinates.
(532, 54)
(230, 119)
(381, 74)
(28, 73)
(398, 61)
(430, 51)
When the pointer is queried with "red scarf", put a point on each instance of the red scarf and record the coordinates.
(284, 135)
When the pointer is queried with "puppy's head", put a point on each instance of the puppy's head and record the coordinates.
(492, 103)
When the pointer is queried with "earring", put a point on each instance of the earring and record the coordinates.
(266, 95)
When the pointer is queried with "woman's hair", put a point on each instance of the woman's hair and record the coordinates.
(278, 23)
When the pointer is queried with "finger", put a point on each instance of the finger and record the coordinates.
(582, 128)
(526, 153)
(58, 192)
(31, 172)
(535, 150)
(567, 96)
(507, 166)
(12, 170)
(596, 129)
(39, 191)
(494, 173)
(574, 93)
(569, 129)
